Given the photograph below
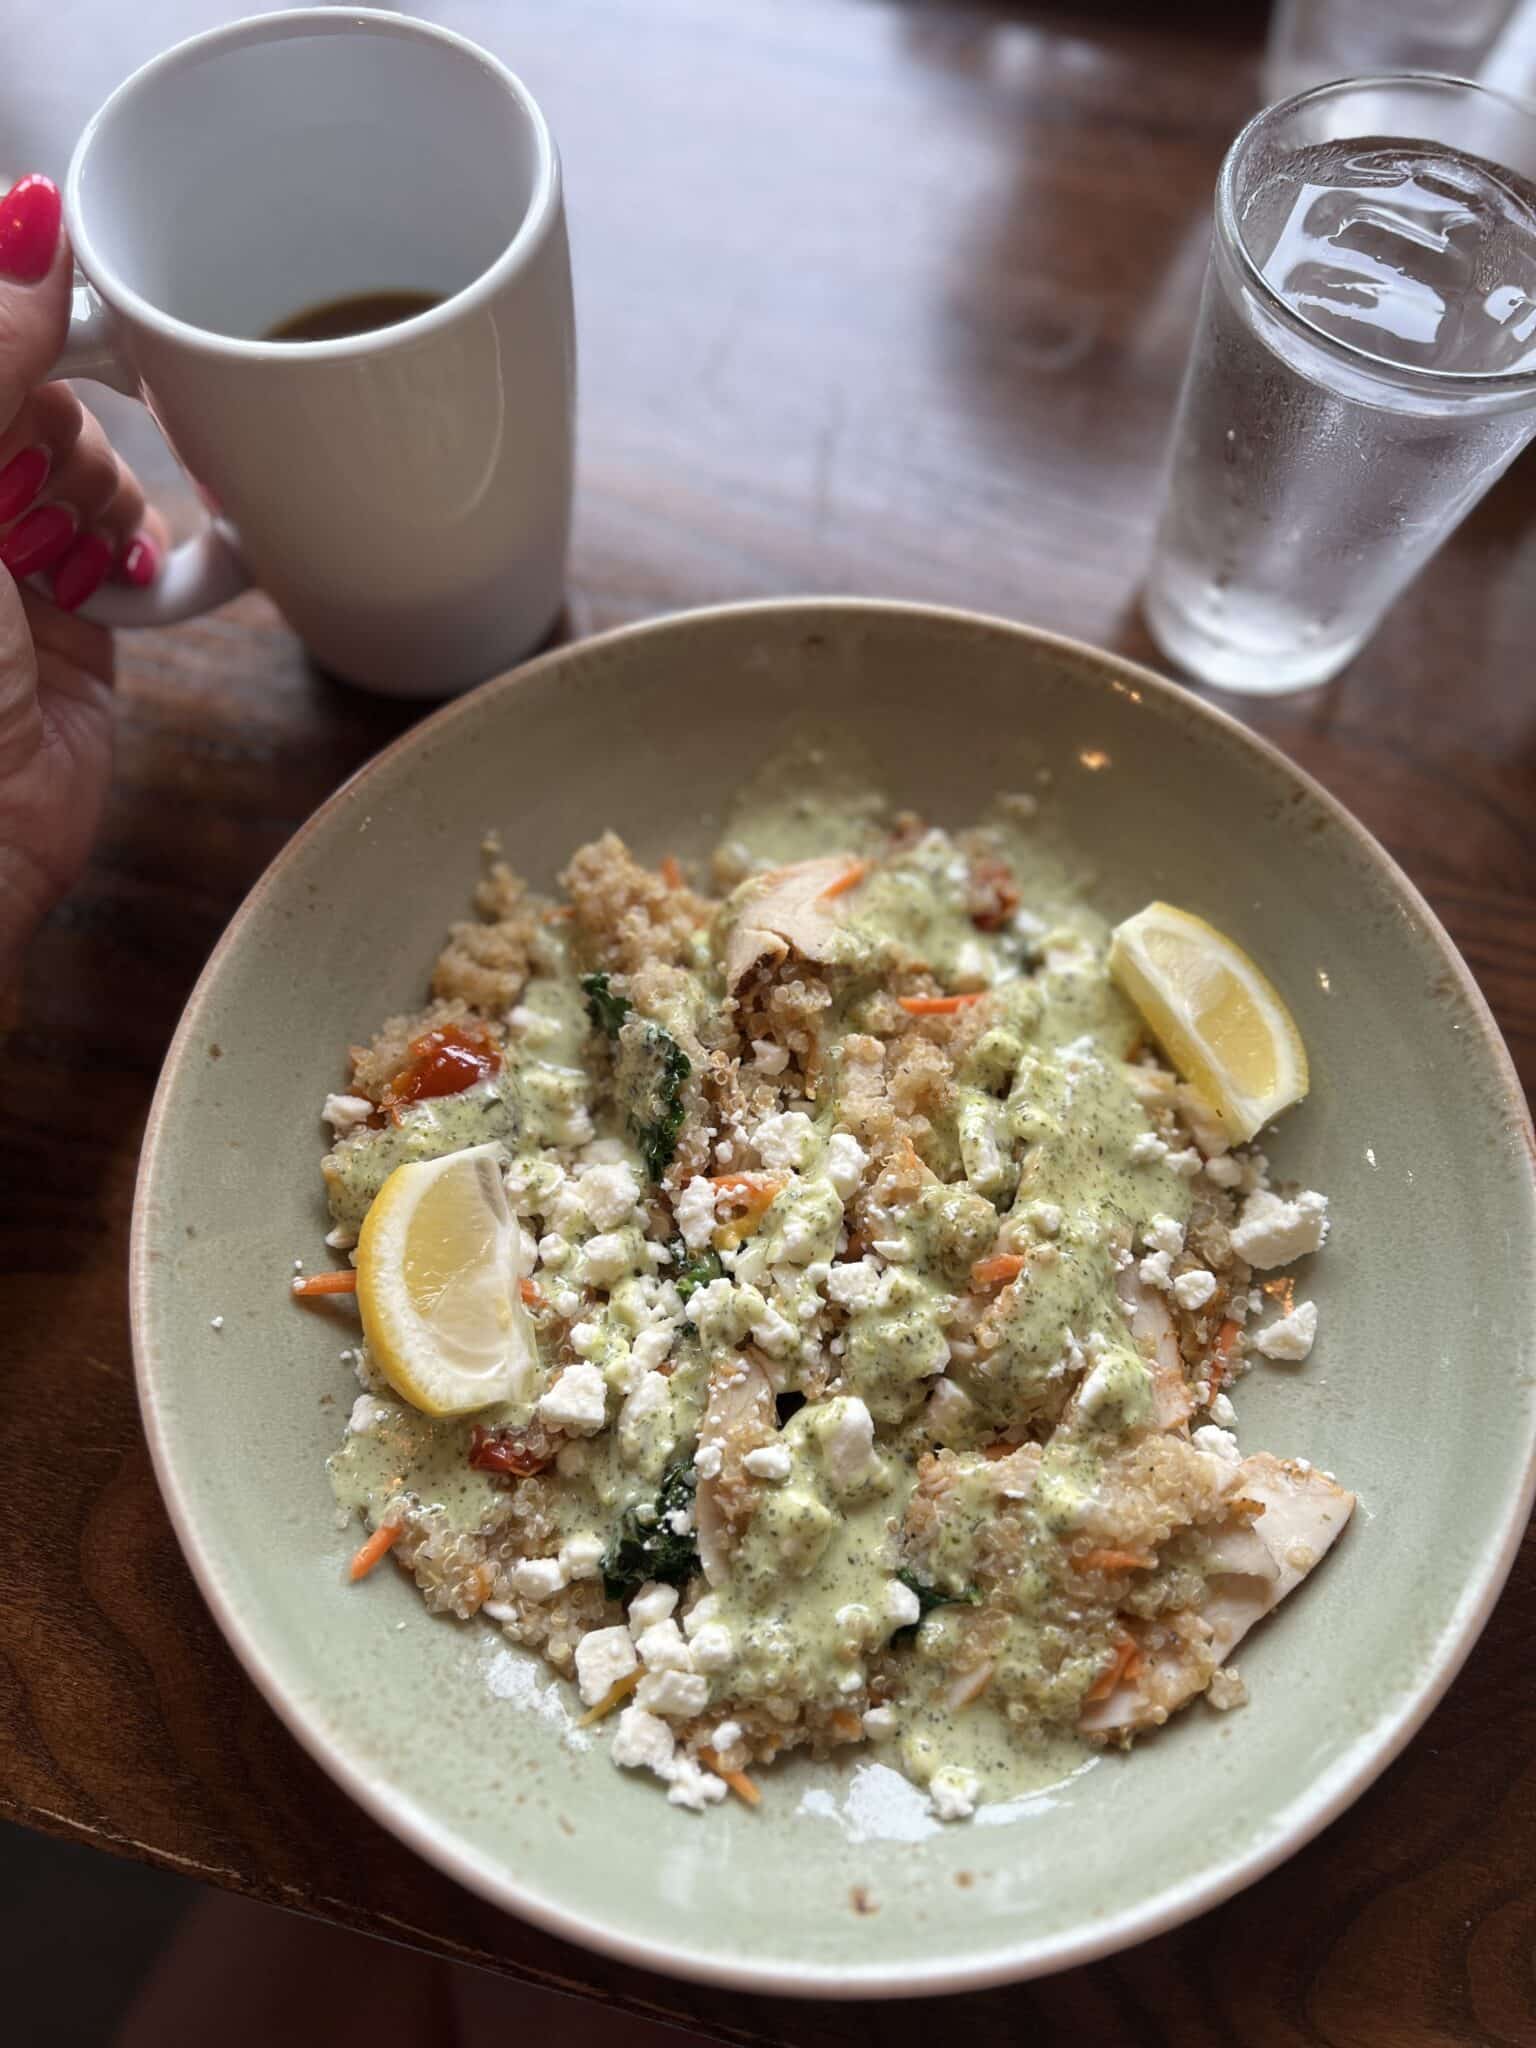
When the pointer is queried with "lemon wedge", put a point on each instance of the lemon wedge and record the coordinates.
(1215, 1015)
(437, 1261)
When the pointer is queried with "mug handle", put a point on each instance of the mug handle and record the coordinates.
(196, 575)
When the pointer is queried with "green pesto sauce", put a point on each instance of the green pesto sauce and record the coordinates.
(1041, 1120)
(806, 1556)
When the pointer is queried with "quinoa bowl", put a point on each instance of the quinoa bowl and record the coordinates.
(1137, 791)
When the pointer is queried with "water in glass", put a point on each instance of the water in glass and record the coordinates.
(1310, 482)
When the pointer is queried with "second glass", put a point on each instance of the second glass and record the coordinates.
(1364, 368)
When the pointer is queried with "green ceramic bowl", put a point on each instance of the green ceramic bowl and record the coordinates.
(1421, 1393)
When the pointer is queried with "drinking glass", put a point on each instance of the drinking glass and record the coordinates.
(1364, 368)
(1312, 41)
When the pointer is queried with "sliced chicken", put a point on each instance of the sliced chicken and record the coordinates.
(1303, 1516)
(1151, 1326)
(738, 1417)
(785, 911)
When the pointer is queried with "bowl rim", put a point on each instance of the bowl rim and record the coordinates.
(1363, 1760)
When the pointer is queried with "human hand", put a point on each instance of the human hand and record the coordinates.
(70, 510)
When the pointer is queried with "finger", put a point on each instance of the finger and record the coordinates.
(35, 272)
(88, 478)
(115, 542)
(42, 433)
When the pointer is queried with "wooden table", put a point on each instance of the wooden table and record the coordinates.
(873, 298)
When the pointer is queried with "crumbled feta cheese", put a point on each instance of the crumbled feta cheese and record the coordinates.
(571, 1460)
(948, 1407)
(1289, 1339)
(768, 1057)
(1194, 1289)
(902, 1606)
(215, 1322)
(694, 1212)
(661, 1647)
(775, 1333)
(786, 1141)
(641, 1414)
(582, 1554)
(1221, 1443)
(1223, 1412)
(714, 1647)
(604, 1258)
(693, 1786)
(1164, 1234)
(1186, 1164)
(703, 1611)
(1272, 1231)
(855, 1284)
(652, 1346)
(848, 1442)
(1046, 1217)
(340, 1239)
(653, 1603)
(726, 1736)
(609, 1193)
(565, 1301)
(603, 1657)
(851, 1681)
(845, 1162)
(586, 1339)
(578, 1401)
(769, 1461)
(1156, 1270)
(602, 1152)
(368, 1415)
(952, 1792)
(539, 1578)
(345, 1112)
(678, 1694)
(879, 1723)
(1147, 1149)
(1224, 1171)
(643, 1743)
(707, 1460)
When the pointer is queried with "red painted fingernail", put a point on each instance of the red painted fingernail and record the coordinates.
(29, 229)
(139, 563)
(81, 570)
(37, 541)
(21, 480)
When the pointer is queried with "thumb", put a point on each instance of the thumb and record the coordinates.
(35, 276)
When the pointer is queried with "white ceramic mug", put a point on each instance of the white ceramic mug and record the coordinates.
(404, 494)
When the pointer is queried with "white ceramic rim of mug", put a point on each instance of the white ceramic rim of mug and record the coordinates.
(1228, 225)
(1361, 1760)
(538, 214)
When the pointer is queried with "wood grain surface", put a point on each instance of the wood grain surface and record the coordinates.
(872, 298)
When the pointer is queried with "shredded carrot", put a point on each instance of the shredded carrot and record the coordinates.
(738, 1781)
(1282, 1291)
(938, 1006)
(343, 1281)
(1127, 1663)
(1116, 1561)
(367, 1555)
(532, 1296)
(845, 1726)
(850, 878)
(759, 1192)
(1221, 1356)
(671, 873)
(610, 1699)
(997, 1270)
